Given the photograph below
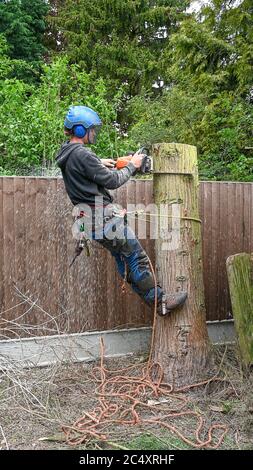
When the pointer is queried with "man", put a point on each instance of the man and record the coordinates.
(86, 178)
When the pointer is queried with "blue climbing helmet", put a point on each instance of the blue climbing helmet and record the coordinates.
(80, 120)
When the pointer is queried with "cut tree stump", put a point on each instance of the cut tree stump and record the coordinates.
(181, 343)
(240, 279)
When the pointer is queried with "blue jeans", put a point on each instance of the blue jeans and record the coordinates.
(132, 261)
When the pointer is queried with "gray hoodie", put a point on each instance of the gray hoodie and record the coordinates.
(85, 177)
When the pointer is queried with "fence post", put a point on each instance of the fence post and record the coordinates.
(181, 344)
(240, 278)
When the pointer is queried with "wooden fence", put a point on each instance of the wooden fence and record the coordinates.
(36, 247)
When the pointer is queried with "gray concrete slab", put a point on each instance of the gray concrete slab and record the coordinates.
(80, 347)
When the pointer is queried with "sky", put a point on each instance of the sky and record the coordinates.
(196, 5)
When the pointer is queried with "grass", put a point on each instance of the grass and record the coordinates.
(147, 441)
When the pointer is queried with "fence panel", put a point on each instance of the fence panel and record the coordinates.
(36, 247)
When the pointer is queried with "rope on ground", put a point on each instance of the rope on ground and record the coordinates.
(126, 398)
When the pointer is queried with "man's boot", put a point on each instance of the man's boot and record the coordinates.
(171, 302)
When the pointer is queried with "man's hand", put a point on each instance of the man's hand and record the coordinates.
(137, 159)
(108, 162)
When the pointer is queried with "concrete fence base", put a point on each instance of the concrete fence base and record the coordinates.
(81, 347)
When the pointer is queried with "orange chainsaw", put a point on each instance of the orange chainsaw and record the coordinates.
(146, 166)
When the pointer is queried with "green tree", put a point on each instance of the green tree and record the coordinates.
(209, 100)
(119, 40)
(5, 62)
(23, 24)
(31, 126)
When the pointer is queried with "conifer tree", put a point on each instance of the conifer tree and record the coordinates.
(22, 22)
(120, 40)
(209, 65)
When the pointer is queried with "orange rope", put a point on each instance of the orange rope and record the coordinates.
(122, 398)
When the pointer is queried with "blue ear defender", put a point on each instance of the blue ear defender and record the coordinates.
(79, 131)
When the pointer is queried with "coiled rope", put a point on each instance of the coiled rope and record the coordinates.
(126, 396)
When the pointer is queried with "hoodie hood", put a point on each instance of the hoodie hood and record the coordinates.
(64, 153)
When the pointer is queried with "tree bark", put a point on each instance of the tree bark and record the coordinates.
(240, 279)
(181, 343)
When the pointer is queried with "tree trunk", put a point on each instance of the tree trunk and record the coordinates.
(181, 344)
(240, 279)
